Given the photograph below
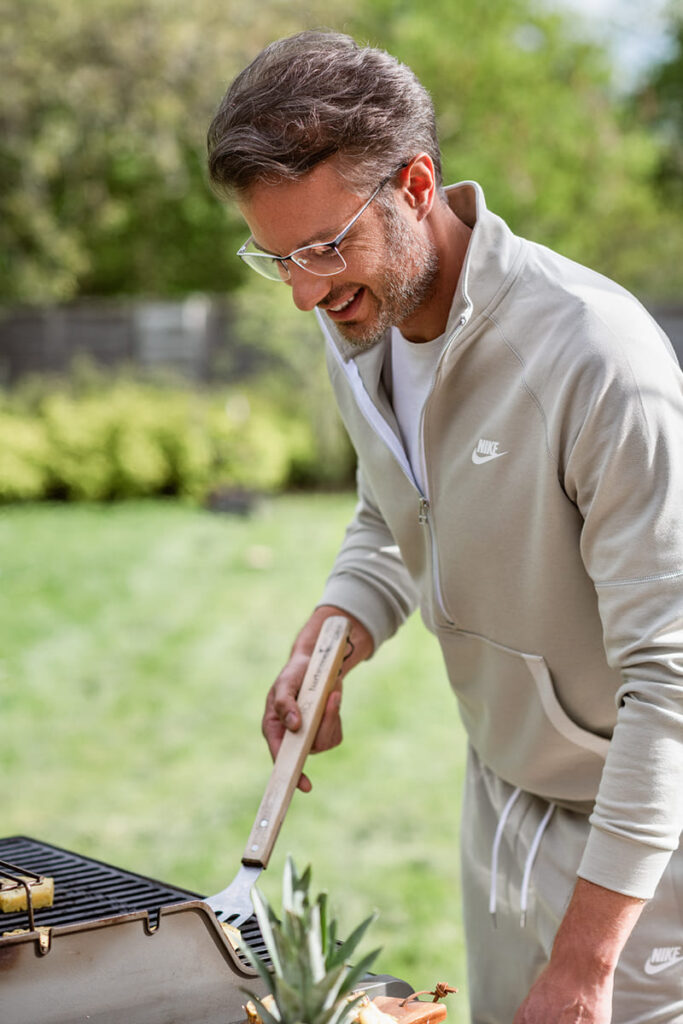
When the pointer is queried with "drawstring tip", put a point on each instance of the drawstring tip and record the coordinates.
(522, 919)
(494, 919)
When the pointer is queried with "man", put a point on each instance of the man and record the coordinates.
(518, 421)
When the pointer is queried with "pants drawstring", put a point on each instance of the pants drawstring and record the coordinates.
(529, 863)
(531, 857)
(493, 892)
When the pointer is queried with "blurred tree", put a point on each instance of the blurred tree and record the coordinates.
(525, 107)
(103, 115)
(105, 105)
(660, 104)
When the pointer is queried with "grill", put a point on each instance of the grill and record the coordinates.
(120, 948)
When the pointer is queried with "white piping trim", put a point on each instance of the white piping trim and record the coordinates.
(377, 421)
(370, 410)
(562, 722)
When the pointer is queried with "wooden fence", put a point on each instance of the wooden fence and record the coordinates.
(195, 338)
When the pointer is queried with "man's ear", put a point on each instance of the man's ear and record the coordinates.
(418, 184)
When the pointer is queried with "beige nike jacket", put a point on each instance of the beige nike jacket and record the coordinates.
(546, 553)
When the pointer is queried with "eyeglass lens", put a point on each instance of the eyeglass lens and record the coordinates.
(322, 260)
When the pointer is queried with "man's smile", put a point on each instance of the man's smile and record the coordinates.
(344, 309)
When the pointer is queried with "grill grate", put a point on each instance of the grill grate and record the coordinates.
(85, 889)
(89, 890)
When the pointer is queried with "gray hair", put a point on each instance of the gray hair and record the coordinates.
(313, 96)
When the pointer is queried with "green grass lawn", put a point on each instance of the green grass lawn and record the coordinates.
(137, 643)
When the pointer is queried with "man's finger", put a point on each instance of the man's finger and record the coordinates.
(283, 693)
(329, 733)
(304, 784)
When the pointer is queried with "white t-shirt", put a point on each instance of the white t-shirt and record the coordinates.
(413, 365)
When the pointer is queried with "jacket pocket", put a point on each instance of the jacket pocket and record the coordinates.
(517, 725)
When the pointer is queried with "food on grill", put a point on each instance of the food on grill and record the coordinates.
(253, 1016)
(368, 1012)
(13, 895)
(233, 934)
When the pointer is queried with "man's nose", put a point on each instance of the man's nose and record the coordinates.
(307, 289)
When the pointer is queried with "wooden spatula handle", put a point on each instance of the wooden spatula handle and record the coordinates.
(318, 683)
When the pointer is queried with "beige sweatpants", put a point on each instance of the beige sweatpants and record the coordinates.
(505, 958)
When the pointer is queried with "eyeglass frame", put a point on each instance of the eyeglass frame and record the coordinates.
(334, 244)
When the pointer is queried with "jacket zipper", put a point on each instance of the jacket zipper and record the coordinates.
(377, 422)
(425, 507)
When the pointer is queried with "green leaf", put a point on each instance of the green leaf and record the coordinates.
(288, 882)
(314, 942)
(343, 952)
(331, 943)
(259, 965)
(330, 986)
(358, 971)
(324, 934)
(265, 919)
(311, 979)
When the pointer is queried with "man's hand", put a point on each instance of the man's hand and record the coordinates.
(558, 996)
(282, 712)
(576, 986)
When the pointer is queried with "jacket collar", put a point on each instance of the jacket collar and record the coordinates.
(493, 256)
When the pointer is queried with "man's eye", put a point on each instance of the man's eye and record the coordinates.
(320, 250)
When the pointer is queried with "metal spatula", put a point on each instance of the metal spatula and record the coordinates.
(233, 904)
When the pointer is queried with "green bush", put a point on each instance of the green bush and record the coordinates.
(24, 457)
(288, 354)
(104, 439)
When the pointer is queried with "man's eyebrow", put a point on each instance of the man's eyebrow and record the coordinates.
(324, 236)
(320, 237)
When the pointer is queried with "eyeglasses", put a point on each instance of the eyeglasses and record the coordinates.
(321, 258)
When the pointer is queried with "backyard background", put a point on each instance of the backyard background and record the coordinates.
(174, 481)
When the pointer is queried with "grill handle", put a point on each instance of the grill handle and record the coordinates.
(319, 680)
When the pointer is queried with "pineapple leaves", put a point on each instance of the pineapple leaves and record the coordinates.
(259, 966)
(311, 981)
(359, 970)
(341, 953)
(268, 925)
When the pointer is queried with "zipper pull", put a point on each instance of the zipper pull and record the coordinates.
(423, 514)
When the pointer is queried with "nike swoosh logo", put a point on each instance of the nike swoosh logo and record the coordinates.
(477, 459)
(651, 968)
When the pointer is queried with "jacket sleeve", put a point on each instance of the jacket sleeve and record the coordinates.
(625, 473)
(369, 579)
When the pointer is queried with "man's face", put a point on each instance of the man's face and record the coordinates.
(391, 264)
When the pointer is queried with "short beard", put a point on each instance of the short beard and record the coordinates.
(409, 278)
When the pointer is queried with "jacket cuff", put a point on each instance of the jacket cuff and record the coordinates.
(346, 592)
(621, 864)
